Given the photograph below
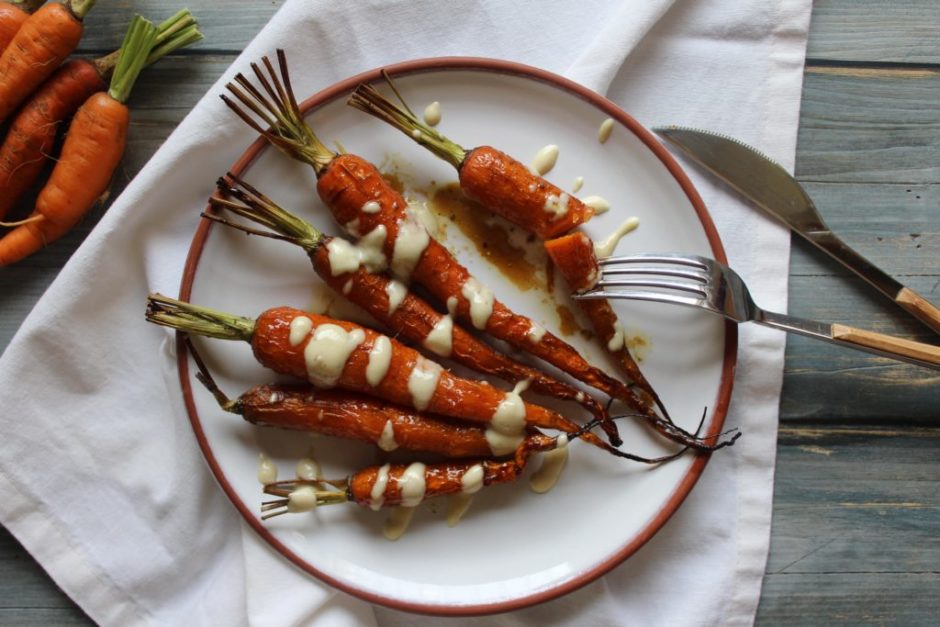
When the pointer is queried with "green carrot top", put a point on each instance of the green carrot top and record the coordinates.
(79, 8)
(138, 42)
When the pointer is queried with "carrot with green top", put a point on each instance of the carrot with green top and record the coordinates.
(333, 353)
(45, 40)
(13, 15)
(346, 269)
(28, 145)
(92, 150)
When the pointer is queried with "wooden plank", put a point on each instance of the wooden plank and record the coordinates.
(854, 533)
(228, 26)
(884, 31)
(870, 126)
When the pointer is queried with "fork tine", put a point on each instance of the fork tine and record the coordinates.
(681, 260)
(634, 270)
(646, 295)
(666, 285)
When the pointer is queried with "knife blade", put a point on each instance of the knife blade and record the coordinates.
(771, 188)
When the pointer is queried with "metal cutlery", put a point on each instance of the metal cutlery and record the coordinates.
(769, 186)
(706, 284)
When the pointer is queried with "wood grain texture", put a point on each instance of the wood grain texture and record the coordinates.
(856, 512)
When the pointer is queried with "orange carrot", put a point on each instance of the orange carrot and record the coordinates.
(12, 17)
(29, 142)
(334, 353)
(44, 41)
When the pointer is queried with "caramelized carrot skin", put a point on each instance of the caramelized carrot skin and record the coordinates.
(357, 417)
(91, 153)
(414, 319)
(12, 19)
(440, 480)
(574, 256)
(509, 189)
(43, 42)
(454, 396)
(29, 143)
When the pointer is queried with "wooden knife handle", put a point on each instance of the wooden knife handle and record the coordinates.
(928, 354)
(919, 307)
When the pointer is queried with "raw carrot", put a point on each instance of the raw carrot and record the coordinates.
(13, 15)
(92, 150)
(487, 175)
(44, 41)
(334, 353)
(28, 145)
(387, 300)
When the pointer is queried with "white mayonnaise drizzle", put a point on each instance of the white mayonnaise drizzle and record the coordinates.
(267, 471)
(472, 480)
(603, 132)
(377, 495)
(557, 205)
(347, 287)
(617, 340)
(308, 468)
(544, 160)
(397, 523)
(396, 291)
(422, 382)
(302, 499)
(299, 330)
(535, 333)
(452, 304)
(457, 506)
(410, 244)
(606, 248)
(553, 462)
(371, 207)
(346, 257)
(578, 184)
(420, 211)
(380, 357)
(480, 298)
(327, 351)
(509, 417)
(441, 338)
(417, 134)
(502, 444)
(352, 227)
(598, 203)
(432, 114)
(412, 485)
(387, 439)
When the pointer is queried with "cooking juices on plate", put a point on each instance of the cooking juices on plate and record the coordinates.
(421, 405)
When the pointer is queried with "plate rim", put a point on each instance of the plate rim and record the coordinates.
(720, 408)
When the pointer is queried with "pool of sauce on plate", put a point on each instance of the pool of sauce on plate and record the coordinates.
(493, 239)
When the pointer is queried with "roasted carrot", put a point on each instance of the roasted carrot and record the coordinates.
(13, 14)
(387, 300)
(334, 353)
(44, 41)
(487, 175)
(92, 150)
(28, 145)
(574, 256)
(363, 202)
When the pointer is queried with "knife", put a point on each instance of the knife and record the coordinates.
(769, 186)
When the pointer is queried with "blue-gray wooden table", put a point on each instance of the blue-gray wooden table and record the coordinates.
(856, 528)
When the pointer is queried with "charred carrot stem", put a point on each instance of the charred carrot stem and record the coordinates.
(406, 314)
(334, 353)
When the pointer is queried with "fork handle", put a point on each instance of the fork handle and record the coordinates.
(919, 307)
(888, 345)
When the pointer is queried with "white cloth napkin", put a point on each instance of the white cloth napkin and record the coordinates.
(103, 482)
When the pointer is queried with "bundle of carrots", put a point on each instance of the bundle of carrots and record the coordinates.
(39, 94)
(364, 385)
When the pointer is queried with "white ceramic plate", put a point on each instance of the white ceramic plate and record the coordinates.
(514, 547)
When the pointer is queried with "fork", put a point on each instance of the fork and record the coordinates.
(706, 284)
